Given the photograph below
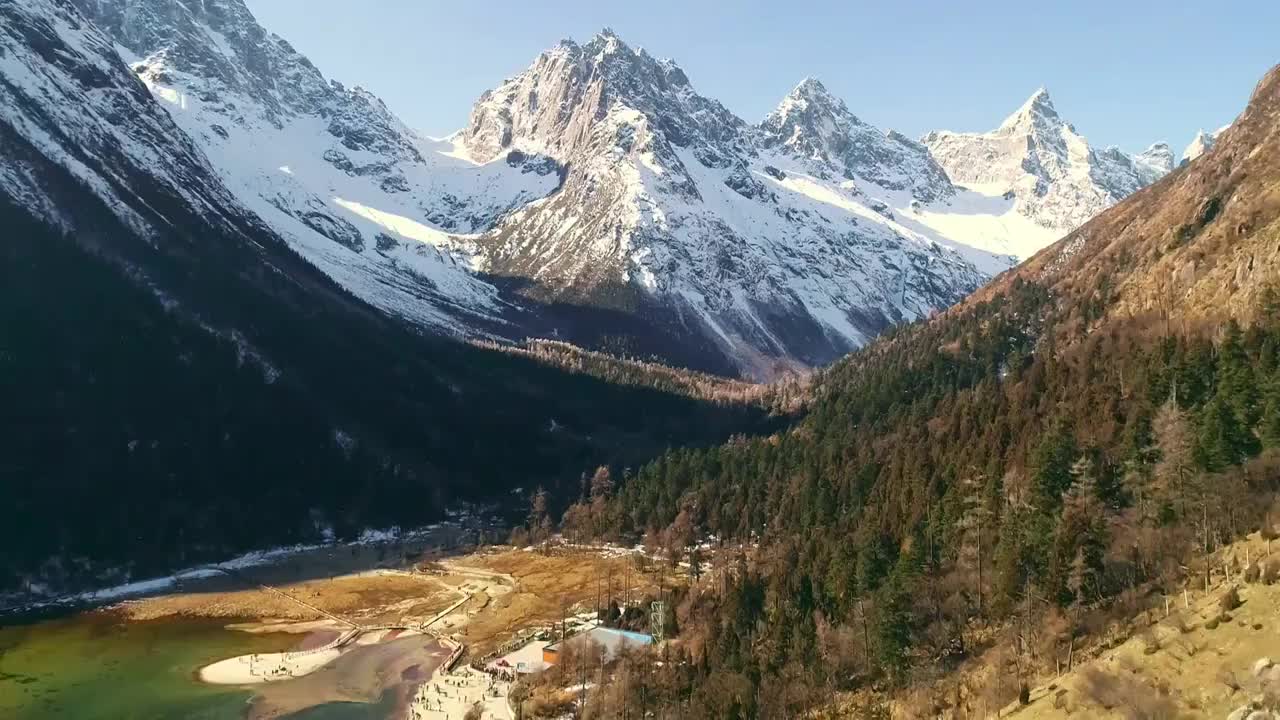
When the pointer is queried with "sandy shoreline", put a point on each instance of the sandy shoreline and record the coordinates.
(266, 667)
(482, 599)
(259, 668)
(345, 558)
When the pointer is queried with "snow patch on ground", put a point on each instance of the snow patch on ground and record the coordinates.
(255, 558)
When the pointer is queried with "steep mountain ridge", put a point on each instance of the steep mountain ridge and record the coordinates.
(51, 55)
(596, 197)
(180, 385)
(1039, 160)
(671, 206)
(331, 169)
(1199, 246)
(812, 123)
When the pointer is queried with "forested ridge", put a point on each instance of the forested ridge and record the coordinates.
(1003, 479)
(178, 384)
(951, 477)
(787, 394)
(165, 409)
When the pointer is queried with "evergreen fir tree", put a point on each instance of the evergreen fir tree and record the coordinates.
(1052, 465)
(1236, 382)
(893, 626)
(1222, 440)
(1081, 533)
(1269, 420)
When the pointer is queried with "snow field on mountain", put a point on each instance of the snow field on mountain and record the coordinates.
(597, 171)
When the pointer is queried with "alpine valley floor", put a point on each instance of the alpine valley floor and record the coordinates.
(150, 654)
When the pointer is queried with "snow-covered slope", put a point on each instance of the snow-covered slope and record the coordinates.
(1048, 172)
(1154, 163)
(598, 197)
(67, 104)
(1201, 143)
(776, 242)
(330, 168)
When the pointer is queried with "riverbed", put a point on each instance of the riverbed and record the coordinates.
(101, 666)
(98, 666)
(141, 660)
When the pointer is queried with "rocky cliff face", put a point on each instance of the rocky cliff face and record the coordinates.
(767, 242)
(812, 124)
(598, 197)
(76, 123)
(1040, 162)
(378, 208)
(1200, 246)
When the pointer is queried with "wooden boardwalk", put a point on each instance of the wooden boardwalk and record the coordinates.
(287, 596)
(445, 612)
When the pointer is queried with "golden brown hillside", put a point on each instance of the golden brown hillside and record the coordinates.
(1199, 246)
(1202, 659)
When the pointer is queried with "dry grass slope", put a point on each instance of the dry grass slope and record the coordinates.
(1207, 659)
(1200, 246)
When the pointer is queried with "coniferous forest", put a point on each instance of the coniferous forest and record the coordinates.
(140, 438)
(980, 473)
(972, 501)
(243, 306)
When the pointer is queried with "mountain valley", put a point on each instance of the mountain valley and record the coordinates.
(598, 198)
(792, 418)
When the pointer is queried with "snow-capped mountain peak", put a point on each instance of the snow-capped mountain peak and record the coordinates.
(1155, 162)
(1037, 114)
(1201, 143)
(599, 197)
(607, 35)
(1038, 160)
(810, 91)
(812, 123)
(559, 101)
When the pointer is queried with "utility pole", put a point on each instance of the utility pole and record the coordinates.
(1026, 619)
(980, 614)
(1204, 506)
(866, 636)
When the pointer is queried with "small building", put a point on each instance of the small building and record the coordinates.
(611, 640)
(527, 659)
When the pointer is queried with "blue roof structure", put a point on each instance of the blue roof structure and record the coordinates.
(612, 640)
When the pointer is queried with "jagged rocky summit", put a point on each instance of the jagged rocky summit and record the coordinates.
(597, 196)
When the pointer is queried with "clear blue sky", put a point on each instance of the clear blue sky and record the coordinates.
(1124, 72)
